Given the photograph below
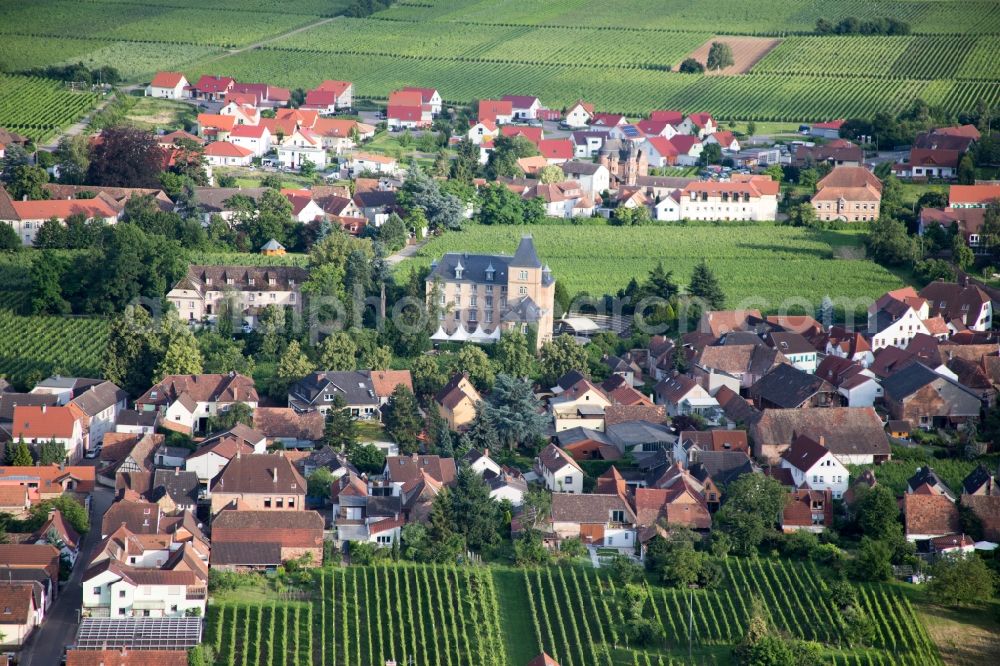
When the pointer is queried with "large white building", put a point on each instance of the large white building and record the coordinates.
(743, 198)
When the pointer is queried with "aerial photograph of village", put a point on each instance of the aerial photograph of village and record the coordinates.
(499, 333)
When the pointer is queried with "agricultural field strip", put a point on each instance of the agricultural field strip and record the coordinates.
(37, 346)
(762, 17)
(39, 107)
(454, 613)
(761, 98)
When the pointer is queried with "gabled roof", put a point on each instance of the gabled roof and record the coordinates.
(804, 453)
(17, 602)
(286, 423)
(260, 473)
(554, 459)
(572, 508)
(58, 525)
(167, 80)
(45, 422)
(787, 387)
(226, 149)
(407, 469)
(846, 430)
(931, 514)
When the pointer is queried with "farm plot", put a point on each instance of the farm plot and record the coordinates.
(40, 107)
(562, 603)
(762, 17)
(21, 52)
(622, 90)
(834, 56)
(525, 44)
(38, 346)
(137, 59)
(421, 615)
(795, 262)
(747, 51)
(208, 26)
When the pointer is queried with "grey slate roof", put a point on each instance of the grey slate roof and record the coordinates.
(526, 256)
(99, 397)
(355, 386)
(580, 168)
(213, 199)
(246, 554)
(915, 376)
(632, 433)
(723, 466)
(788, 387)
(180, 486)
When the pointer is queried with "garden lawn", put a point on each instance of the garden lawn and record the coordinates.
(761, 265)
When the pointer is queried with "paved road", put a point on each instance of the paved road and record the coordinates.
(47, 644)
(405, 253)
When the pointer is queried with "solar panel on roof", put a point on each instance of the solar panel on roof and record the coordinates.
(139, 633)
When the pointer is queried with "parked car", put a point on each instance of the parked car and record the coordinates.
(93, 453)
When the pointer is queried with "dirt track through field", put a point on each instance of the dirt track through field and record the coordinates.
(746, 52)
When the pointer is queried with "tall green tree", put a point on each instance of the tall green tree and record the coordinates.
(340, 431)
(720, 56)
(507, 151)
(428, 377)
(72, 156)
(367, 458)
(705, 286)
(402, 419)
(51, 452)
(474, 361)
(515, 412)
(561, 355)
(961, 253)
(292, 366)
(181, 354)
(512, 356)
(129, 358)
(476, 516)
(338, 352)
(19, 455)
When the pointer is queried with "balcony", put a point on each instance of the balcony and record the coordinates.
(196, 595)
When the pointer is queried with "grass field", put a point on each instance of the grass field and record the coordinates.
(773, 264)
(432, 615)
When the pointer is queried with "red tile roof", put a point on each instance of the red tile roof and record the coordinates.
(556, 149)
(337, 87)
(226, 149)
(167, 79)
(930, 513)
(45, 422)
(670, 117)
(97, 207)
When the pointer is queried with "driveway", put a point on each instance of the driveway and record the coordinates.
(47, 643)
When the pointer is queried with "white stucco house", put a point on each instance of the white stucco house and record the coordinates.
(558, 470)
(812, 464)
(167, 85)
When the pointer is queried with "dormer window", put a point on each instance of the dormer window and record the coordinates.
(618, 516)
(272, 281)
(208, 281)
(458, 271)
(250, 282)
(229, 280)
(489, 274)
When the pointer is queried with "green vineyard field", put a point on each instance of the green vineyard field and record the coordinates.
(434, 615)
(770, 262)
(38, 346)
(39, 108)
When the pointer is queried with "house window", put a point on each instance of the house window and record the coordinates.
(523, 275)
(173, 608)
(121, 611)
(121, 594)
(489, 316)
(569, 480)
(473, 300)
(97, 590)
(522, 291)
(279, 503)
(291, 502)
(229, 280)
(267, 502)
(145, 613)
(250, 282)
(383, 540)
(618, 516)
(271, 281)
(458, 300)
(489, 301)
